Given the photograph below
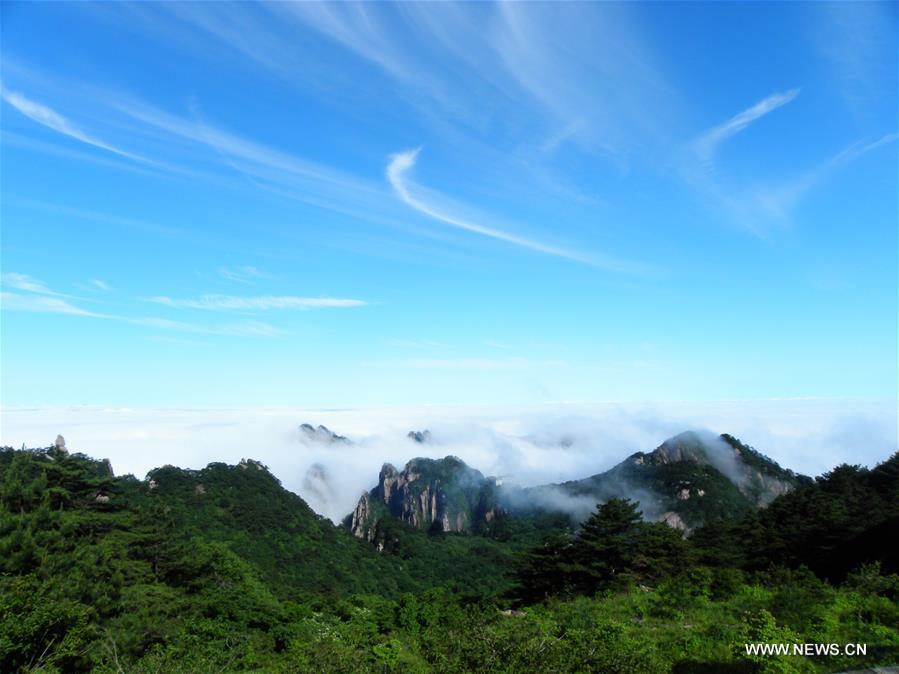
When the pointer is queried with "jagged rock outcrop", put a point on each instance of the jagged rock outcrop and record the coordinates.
(361, 521)
(428, 494)
(60, 443)
(421, 437)
(252, 463)
(106, 466)
(321, 435)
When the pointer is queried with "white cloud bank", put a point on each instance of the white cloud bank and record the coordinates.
(533, 445)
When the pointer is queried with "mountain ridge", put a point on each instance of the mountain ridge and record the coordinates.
(685, 480)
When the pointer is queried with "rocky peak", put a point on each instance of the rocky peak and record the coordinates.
(388, 470)
(360, 521)
(106, 466)
(60, 443)
(757, 477)
(252, 463)
(421, 437)
(431, 494)
(687, 446)
(320, 434)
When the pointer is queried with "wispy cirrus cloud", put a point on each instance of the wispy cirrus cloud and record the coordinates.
(468, 364)
(707, 144)
(26, 283)
(306, 181)
(414, 343)
(756, 207)
(402, 162)
(242, 274)
(242, 329)
(260, 303)
(45, 304)
(361, 28)
(471, 61)
(50, 118)
(858, 40)
(443, 52)
(29, 284)
(37, 298)
(571, 70)
(190, 140)
(777, 201)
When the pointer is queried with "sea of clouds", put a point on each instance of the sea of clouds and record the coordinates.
(526, 445)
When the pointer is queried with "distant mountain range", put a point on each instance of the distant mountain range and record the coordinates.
(687, 480)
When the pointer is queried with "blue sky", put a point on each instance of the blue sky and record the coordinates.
(304, 204)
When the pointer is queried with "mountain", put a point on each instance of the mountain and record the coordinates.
(321, 435)
(223, 570)
(246, 508)
(421, 437)
(441, 495)
(686, 480)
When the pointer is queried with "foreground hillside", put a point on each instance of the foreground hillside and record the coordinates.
(223, 570)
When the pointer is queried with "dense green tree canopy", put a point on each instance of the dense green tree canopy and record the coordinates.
(222, 570)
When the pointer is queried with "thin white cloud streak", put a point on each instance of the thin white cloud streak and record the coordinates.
(42, 304)
(48, 304)
(552, 143)
(414, 343)
(243, 329)
(322, 186)
(244, 274)
(468, 364)
(25, 282)
(777, 202)
(460, 56)
(265, 168)
(51, 119)
(593, 65)
(261, 303)
(474, 62)
(118, 163)
(275, 171)
(402, 162)
(859, 41)
(858, 149)
(281, 173)
(358, 27)
(755, 209)
(261, 162)
(707, 144)
(100, 285)
(31, 285)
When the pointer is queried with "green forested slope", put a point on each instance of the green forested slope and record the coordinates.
(223, 570)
